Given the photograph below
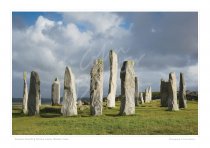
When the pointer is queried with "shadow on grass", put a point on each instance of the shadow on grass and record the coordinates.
(112, 115)
(17, 115)
(50, 115)
(49, 112)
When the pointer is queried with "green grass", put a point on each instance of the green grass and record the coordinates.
(150, 119)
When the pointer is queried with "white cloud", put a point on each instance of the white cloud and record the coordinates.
(48, 46)
(81, 39)
(99, 22)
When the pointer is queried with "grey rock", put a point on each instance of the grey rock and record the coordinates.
(69, 107)
(150, 93)
(127, 76)
(141, 97)
(40, 99)
(136, 92)
(55, 94)
(79, 103)
(147, 96)
(182, 92)
(25, 95)
(164, 93)
(172, 93)
(96, 88)
(112, 79)
(34, 94)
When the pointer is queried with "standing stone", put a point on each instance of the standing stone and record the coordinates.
(79, 103)
(141, 97)
(96, 88)
(34, 94)
(55, 96)
(69, 107)
(136, 92)
(40, 99)
(127, 76)
(172, 93)
(25, 95)
(146, 96)
(150, 93)
(112, 79)
(164, 93)
(182, 92)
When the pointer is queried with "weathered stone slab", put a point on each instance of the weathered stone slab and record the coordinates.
(141, 97)
(182, 92)
(96, 88)
(150, 93)
(127, 76)
(164, 93)
(69, 107)
(34, 94)
(147, 96)
(113, 79)
(25, 95)
(136, 92)
(172, 95)
(55, 96)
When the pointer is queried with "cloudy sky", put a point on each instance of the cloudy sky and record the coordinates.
(159, 43)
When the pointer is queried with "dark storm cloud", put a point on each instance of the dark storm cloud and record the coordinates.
(165, 36)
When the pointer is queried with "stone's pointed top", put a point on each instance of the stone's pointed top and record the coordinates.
(112, 52)
(56, 80)
(99, 61)
(68, 68)
(24, 75)
(162, 80)
(34, 74)
(129, 62)
(68, 71)
(172, 73)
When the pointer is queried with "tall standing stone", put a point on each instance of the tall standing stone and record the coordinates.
(34, 94)
(69, 107)
(55, 96)
(147, 95)
(136, 92)
(182, 92)
(96, 88)
(141, 97)
(164, 93)
(127, 76)
(40, 99)
(25, 95)
(172, 93)
(150, 93)
(113, 79)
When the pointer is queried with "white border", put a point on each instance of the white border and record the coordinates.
(6, 8)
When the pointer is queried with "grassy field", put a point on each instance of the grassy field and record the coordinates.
(150, 119)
